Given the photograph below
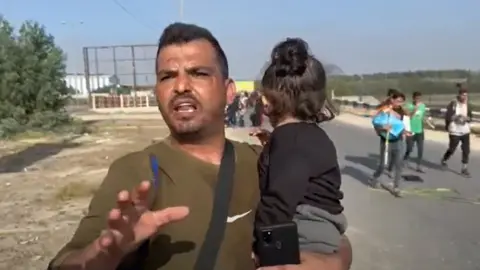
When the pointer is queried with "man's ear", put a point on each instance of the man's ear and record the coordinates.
(231, 90)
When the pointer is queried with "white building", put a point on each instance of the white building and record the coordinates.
(79, 83)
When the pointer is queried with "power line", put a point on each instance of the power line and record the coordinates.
(122, 7)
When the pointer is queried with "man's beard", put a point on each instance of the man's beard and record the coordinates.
(187, 128)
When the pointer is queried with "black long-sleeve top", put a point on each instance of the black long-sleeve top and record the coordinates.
(297, 166)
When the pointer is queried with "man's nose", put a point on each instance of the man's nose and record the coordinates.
(182, 83)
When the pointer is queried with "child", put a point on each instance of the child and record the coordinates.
(391, 146)
(298, 170)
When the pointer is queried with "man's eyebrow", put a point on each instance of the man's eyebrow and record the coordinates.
(166, 71)
(188, 69)
(196, 68)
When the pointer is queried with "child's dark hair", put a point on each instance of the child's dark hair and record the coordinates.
(393, 94)
(391, 91)
(294, 84)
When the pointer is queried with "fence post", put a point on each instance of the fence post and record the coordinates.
(86, 64)
(94, 105)
(121, 101)
(147, 101)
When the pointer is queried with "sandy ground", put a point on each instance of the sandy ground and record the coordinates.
(46, 185)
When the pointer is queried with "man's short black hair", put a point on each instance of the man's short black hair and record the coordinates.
(416, 94)
(391, 91)
(180, 33)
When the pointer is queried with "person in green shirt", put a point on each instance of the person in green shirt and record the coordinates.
(173, 216)
(416, 110)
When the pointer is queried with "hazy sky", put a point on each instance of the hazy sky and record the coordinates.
(360, 36)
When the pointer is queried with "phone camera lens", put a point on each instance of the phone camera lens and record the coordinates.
(267, 237)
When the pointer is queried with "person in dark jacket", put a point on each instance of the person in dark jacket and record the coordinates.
(457, 123)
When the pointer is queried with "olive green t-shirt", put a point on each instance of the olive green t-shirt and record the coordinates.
(185, 181)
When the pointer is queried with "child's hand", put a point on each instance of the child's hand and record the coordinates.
(262, 135)
(387, 127)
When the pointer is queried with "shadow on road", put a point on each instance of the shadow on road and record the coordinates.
(371, 161)
(17, 162)
(356, 174)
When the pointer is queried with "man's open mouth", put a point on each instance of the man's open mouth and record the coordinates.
(185, 107)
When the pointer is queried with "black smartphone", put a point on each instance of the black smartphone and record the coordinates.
(277, 244)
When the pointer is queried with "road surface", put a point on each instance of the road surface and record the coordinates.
(428, 229)
(434, 231)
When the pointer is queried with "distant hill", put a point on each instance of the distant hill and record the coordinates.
(332, 70)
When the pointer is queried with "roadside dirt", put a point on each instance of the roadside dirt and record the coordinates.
(46, 185)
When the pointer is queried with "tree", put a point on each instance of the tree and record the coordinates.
(33, 93)
(429, 82)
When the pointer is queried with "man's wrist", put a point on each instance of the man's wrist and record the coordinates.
(91, 257)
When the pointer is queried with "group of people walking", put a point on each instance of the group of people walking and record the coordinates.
(401, 127)
(246, 110)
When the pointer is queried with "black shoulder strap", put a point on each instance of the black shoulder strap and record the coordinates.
(207, 256)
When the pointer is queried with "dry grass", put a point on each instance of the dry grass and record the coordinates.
(75, 190)
(43, 200)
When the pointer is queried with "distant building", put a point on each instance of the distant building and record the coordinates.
(79, 83)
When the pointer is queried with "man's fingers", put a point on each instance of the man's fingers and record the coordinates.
(143, 191)
(170, 214)
(124, 200)
(106, 240)
(140, 195)
(116, 220)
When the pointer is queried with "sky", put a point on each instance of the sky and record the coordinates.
(359, 36)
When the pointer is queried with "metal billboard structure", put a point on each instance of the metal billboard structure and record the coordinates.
(132, 66)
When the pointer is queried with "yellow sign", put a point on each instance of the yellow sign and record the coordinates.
(243, 86)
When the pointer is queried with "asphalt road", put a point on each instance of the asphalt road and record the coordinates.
(428, 229)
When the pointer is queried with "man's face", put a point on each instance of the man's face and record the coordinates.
(417, 99)
(463, 97)
(190, 89)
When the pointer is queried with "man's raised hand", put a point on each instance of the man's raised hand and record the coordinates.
(132, 222)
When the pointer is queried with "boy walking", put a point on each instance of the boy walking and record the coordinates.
(416, 110)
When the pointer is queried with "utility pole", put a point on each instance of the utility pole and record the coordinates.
(77, 79)
(73, 25)
(181, 10)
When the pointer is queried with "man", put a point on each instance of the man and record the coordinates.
(232, 110)
(192, 89)
(457, 123)
(416, 110)
(242, 110)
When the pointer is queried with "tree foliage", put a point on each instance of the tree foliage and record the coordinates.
(33, 93)
(428, 82)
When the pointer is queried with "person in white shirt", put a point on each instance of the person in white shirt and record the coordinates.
(457, 123)
(242, 109)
